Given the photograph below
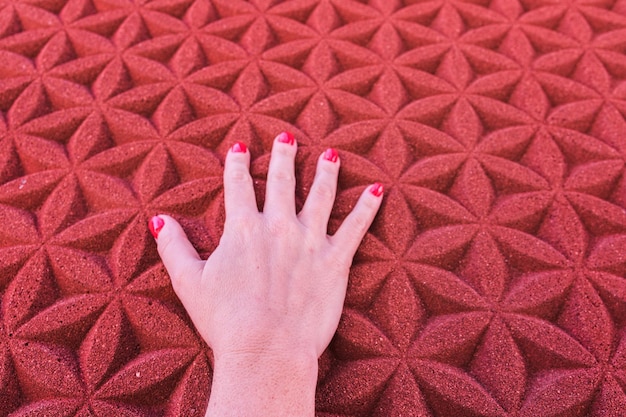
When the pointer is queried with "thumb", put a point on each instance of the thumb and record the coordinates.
(179, 257)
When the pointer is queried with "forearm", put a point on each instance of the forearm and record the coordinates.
(246, 386)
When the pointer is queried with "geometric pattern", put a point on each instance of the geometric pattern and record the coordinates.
(492, 282)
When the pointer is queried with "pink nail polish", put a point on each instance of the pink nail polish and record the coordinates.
(239, 147)
(286, 137)
(331, 155)
(376, 189)
(155, 225)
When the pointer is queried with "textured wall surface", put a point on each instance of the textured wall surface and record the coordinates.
(492, 282)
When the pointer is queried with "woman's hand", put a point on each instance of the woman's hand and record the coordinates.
(269, 298)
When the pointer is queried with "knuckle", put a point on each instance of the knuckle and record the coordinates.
(342, 266)
(370, 203)
(324, 190)
(360, 222)
(281, 176)
(339, 261)
(182, 276)
(177, 280)
(280, 226)
(240, 225)
(312, 243)
(238, 175)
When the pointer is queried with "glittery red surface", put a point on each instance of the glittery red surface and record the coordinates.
(492, 282)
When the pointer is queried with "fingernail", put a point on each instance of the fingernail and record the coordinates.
(376, 189)
(155, 225)
(239, 147)
(286, 137)
(331, 155)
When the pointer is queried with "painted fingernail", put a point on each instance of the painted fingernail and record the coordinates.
(155, 225)
(286, 137)
(376, 189)
(239, 147)
(331, 155)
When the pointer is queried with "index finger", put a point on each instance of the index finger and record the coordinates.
(349, 235)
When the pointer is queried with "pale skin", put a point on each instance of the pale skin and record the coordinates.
(269, 298)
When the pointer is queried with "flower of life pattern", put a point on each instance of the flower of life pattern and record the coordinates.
(492, 283)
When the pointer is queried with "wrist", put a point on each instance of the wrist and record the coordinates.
(272, 383)
(267, 364)
(265, 357)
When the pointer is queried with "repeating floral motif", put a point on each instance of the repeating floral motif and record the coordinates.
(493, 281)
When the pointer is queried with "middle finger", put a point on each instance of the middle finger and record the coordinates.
(281, 178)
